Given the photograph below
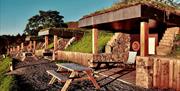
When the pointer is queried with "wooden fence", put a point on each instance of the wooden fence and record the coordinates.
(77, 57)
(156, 72)
(166, 73)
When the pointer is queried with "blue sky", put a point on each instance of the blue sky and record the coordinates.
(14, 14)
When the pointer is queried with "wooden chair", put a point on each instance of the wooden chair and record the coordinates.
(131, 59)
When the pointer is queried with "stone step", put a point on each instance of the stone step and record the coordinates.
(171, 32)
(163, 50)
(165, 44)
(173, 29)
(168, 38)
(168, 35)
(166, 41)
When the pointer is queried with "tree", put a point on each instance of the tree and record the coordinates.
(45, 19)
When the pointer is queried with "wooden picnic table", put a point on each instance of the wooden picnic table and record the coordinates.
(74, 70)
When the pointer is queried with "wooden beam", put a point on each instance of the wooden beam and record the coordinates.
(34, 46)
(116, 15)
(144, 34)
(46, 42)
(94, 41)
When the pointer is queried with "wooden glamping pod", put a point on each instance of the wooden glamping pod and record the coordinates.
(146, 25)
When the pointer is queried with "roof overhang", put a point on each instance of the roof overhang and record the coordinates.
(33, 38)
(137, 12)
(62, 32)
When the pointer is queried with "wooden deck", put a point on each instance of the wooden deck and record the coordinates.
(126, 76)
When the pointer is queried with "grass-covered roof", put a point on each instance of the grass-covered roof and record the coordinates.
(149, 3)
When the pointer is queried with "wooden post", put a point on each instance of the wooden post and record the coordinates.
(14, 49)
(8, 50)
(94, 41)
(30, 45)
(55, 46)
(46, 42)
(178, 76)
(22, 46)
(55, 42)
(144, 32)
(18, 48)
(11, 50)
(34, 46)
(171, 66)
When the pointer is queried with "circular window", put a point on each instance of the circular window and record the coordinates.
(135, 46)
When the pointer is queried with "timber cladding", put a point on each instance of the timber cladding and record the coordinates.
(121, 14)
(158, 72)
(77, 57)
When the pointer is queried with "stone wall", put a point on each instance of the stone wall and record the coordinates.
(116, 49)
(144, 71)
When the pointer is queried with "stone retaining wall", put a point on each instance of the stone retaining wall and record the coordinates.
(118, 46)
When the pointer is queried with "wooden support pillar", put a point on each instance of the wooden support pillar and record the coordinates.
(8, 51)
(22, 46)
(144, 32)
(94, 41)
(55, 46)
(30, 45)
(55, 42)
(46, 42)
(34, 46)
(11, 50)
(18, 48)
(14, 49)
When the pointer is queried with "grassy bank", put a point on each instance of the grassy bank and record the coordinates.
(85, 44)
(6, 82)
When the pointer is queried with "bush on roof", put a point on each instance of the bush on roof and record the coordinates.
(171, 6)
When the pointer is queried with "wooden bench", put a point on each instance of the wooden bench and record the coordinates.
(74, 70)
(58, 76)
(106, 64)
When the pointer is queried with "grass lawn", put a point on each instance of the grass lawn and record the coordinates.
(85, 44)
(6, 82)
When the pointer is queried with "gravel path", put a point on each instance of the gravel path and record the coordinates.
(32, 76)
